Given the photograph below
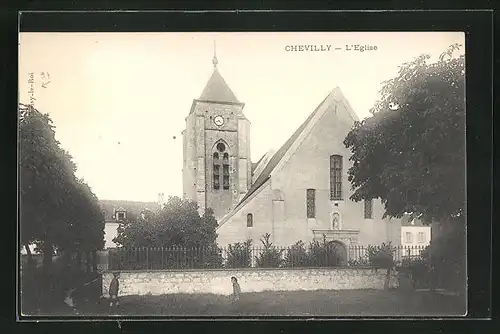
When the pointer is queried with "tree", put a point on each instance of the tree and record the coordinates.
(239, 255)
(46, 170)
(297, 256)
(57, 209)
(411, 152)
(177, 224)
(270, 257)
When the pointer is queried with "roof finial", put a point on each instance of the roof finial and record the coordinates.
(215, 61)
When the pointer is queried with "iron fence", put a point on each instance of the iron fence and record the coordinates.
(157, 258)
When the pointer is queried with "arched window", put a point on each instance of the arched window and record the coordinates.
(216, 171)
(336, 177)
(225, 171)
(221, 161)
(249, 220)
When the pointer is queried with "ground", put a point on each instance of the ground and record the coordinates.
(299, 303)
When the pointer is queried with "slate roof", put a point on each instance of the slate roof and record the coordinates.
(273, 162)
(217, 90)
(134, 207)
(255, 164)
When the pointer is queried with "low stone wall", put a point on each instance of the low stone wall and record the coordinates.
(251, 280)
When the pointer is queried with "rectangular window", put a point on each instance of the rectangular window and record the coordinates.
(249, 220)
(311, 203)
(335, 177)
(368, 209)
(421, 236)
(409, 237)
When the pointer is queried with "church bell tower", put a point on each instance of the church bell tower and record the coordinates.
(216, 148)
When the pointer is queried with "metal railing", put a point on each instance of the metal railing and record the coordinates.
(157, 258)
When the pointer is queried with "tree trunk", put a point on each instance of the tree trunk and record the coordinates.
(387, 279)
(47, 256)
(47, 291)
(29, 255)
(88, 261)
(28, 250)
(79, 258)
(94, 261)
(67, 258)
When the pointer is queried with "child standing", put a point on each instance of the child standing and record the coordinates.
(114, 287)
(236, 289)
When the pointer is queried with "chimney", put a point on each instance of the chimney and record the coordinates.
(160, 200)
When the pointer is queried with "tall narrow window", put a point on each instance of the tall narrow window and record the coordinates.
(408, 237)
(368, 209)
(311, 203)
(335, 177)
(225, 171)
(249, 220)
(216, 171)
(420, 236)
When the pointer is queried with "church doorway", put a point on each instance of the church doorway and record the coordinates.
(340, 251)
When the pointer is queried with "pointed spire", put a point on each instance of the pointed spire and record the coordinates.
(217, 89)
(214, 60)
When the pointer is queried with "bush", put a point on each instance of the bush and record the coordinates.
(360, 263)
(271, 257)
(324, 254)
(381, 257)
(239, 255)
(296, 256)
(417, 270)
(212, 258)
(446, 258)
(43, 292)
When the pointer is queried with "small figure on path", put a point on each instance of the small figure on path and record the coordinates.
(236, 289)
(114, 287)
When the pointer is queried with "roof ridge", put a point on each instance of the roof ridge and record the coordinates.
(280, 153)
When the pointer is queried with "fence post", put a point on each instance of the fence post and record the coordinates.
(175, 257)
(109, 260)
(161, 250)
(252, 257)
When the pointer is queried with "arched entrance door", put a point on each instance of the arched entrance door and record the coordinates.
(340, 252)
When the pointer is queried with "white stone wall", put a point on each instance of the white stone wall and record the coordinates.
(250, 280)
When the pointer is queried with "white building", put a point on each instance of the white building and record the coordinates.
(414, 233)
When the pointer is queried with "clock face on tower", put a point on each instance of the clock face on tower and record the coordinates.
(219, 120)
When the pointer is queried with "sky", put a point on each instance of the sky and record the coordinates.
(119, 100)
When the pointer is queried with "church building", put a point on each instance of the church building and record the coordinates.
(300, 192)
